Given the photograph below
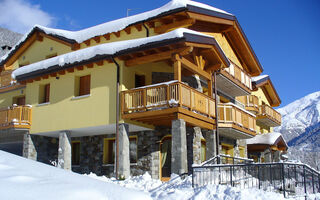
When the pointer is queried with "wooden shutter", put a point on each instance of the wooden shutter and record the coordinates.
(84, 88)
(21, 101)
(46, 93)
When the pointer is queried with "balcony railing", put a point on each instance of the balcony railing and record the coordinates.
(167, 95)
(268, 112)
(229, 114)
(251, 102)
(239, 75)
(15, 117)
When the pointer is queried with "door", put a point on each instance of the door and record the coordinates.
(165, 158)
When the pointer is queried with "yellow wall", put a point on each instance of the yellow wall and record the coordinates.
(64, 112)
(128, 73)
(40, 50)
(7, 97)
(225, 46)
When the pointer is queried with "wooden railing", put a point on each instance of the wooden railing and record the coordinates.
(268, 111)
(166, 95)
(229, 113)
(251, 102)
(240, 75)
(15, 116)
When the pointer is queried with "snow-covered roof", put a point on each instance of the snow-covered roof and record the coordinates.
(266, 138)
(259, 78)
(120, 24)
(7, 39)
(107, 49)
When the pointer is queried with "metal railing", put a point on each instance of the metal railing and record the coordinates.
(226, 159)
(288, 178)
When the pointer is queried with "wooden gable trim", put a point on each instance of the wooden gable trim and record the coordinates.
(176, 24)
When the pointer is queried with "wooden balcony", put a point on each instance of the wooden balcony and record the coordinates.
(251, 102)
(234, 81)
(17, 117)
(159, 104)
(268, 116)
(236, 122)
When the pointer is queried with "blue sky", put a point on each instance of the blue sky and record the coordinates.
(284, 34)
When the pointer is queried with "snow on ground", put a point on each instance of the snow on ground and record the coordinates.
(178, 189)
(21, 178)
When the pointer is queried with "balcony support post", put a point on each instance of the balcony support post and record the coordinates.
(177, 69)
(210, 144)
(64, 151)
(217, 113)
(29, 149)
(179, 163)
(124, 152)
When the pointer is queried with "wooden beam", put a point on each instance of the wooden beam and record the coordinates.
(117, 34)
(53, 74)
(194, 68)
(97, 39)
(75, 46)
(99, 63)
(90, 65)
(177, 70)
(198, 45)
(45, 76)
(79, 68)
(107, 36)
(138, 27)
(177, 24)
(39, 37)
(70, 70)
(37, 78)
(210, 19)
(87, 42)
(128, 30)
(56, 39)
(155, 57)
(214, 67)
(62, 72)
(210, 84)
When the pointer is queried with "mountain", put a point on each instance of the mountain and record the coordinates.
(301, 123)
(7, 40)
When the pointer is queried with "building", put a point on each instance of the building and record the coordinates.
(152, 75)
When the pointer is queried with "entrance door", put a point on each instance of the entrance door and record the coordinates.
(165, 159)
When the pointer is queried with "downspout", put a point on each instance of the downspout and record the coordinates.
(217, 113)
(117, 116)
(147, 30)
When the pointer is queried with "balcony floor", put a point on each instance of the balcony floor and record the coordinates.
(235, 131)
(164, 117)
(266, 120)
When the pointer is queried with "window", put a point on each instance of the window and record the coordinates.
(44, 93)
(109, 150)
(82, 85)
(203, 151)
(75, 152)
(20, 101)
(140, 80)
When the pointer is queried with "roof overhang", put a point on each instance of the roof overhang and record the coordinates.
(188, 42)
(268, 89)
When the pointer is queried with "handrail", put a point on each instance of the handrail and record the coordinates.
(270, 112)
(15, 116)
(166, 95)
(239, 74)
(215, 158)
(289, 178)
(230, 113)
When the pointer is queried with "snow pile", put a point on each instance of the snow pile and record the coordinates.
(267, 138)
(102, 49)
(21, 178)
(181, 189)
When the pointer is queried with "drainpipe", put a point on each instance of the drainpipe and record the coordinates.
(117, 116)
(217, 113)
(147, 30)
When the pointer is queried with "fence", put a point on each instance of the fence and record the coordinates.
(288, 178)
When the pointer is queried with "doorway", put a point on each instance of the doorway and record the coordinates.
(165, 158)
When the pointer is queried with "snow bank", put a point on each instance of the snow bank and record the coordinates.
(102, 49)
(21, 178)
(178, 189)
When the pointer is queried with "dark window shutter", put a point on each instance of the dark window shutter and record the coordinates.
(46, 93)
(84, 85)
